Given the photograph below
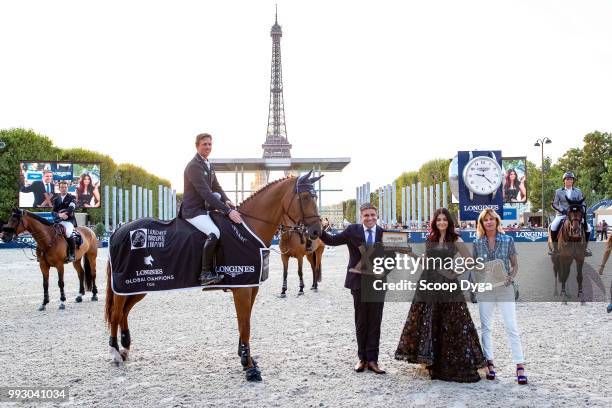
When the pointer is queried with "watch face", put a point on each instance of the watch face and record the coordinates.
(482, 175)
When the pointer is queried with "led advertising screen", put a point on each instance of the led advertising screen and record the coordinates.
(515, 179)
(40, 181)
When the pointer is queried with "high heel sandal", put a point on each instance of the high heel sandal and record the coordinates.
(521, 379)
(490, 373)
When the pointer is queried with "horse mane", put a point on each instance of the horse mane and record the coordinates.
(39, 218)
(264, 188)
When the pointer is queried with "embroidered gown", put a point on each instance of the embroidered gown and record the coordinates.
(439, 330)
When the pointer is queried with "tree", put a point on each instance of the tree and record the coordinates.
(21, 144)
(597, 149)
(24, 145)
(349, 209)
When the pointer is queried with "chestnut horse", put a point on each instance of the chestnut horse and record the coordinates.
(51, 251)
(293, 244)
(292, 197)
(571, 247)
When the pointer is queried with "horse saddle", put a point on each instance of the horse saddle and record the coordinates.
(78, 239)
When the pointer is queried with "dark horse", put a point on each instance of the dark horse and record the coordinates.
(571, 247)
(293, 197)
(293, 244)
(51, 251)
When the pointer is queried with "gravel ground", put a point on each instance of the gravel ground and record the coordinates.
(184, 347)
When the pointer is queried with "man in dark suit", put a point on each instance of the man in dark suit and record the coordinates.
(43, 190)
(64, 204)
(201, 193)
(368, 313)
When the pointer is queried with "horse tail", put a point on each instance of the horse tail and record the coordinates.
(108, 309)
(88, 276)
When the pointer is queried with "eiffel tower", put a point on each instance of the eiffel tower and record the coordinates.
(277, 145)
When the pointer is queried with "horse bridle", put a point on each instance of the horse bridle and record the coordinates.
(300, 224)
(13, 230)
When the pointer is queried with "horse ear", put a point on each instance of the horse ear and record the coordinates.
(307, 175)
(314, 179)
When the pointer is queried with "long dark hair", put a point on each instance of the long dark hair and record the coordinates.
(434, 232)
(509, 183)
(81, 187)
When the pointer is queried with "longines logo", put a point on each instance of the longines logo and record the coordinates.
(138, 238)
(235, 270)
(533, 236)
(478, 208)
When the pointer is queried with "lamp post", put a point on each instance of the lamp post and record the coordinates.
(540, 143)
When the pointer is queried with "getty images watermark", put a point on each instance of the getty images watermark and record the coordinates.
(411, 264)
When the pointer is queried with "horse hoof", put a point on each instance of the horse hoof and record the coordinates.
(124, 354)
(41, 308)
(94, 298)
(246, 367)
(117, 358)
(78, 299)
(300, 293)
(283, 295)
(253, 374)
(62, 306)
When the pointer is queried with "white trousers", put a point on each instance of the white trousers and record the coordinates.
(69, 228)
(556, 223)
(508, 312)
(205, 224)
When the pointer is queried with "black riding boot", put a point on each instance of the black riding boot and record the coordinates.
(554, 236)
(587, 236)
(208, 276)
(71, 248)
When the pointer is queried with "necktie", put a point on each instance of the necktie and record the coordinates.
(48, 188)
(370, 240)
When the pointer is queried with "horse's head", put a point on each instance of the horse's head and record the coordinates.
(575, 217)
(14, 226)
(301, 207)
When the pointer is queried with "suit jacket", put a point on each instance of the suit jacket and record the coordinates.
(353, 237)
(560, 202)
(38, 188)
(200, 183)
(67, 205)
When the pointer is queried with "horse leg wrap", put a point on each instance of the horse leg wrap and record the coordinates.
(245, 352)
(126, 340)
(112, 341)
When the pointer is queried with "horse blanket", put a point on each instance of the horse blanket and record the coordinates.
(149, 255)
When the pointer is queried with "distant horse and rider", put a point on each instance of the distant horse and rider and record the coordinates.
(292, 198)
(570, 247)
(294, 244)
(52, 251)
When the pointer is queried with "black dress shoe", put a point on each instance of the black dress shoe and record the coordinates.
(373, 366)
(360, 366)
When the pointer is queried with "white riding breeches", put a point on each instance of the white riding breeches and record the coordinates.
(205, 224)
(69, 228)
(556, 223)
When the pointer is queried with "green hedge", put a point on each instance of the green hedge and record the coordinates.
(23, 145)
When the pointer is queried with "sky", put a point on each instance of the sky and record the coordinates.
(390, 84)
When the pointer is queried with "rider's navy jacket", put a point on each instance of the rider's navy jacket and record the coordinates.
(67, 205)
(200, 183)
(560, 202)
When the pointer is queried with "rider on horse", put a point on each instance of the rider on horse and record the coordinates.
(64, 204)
(561, 205)
(202, 192)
